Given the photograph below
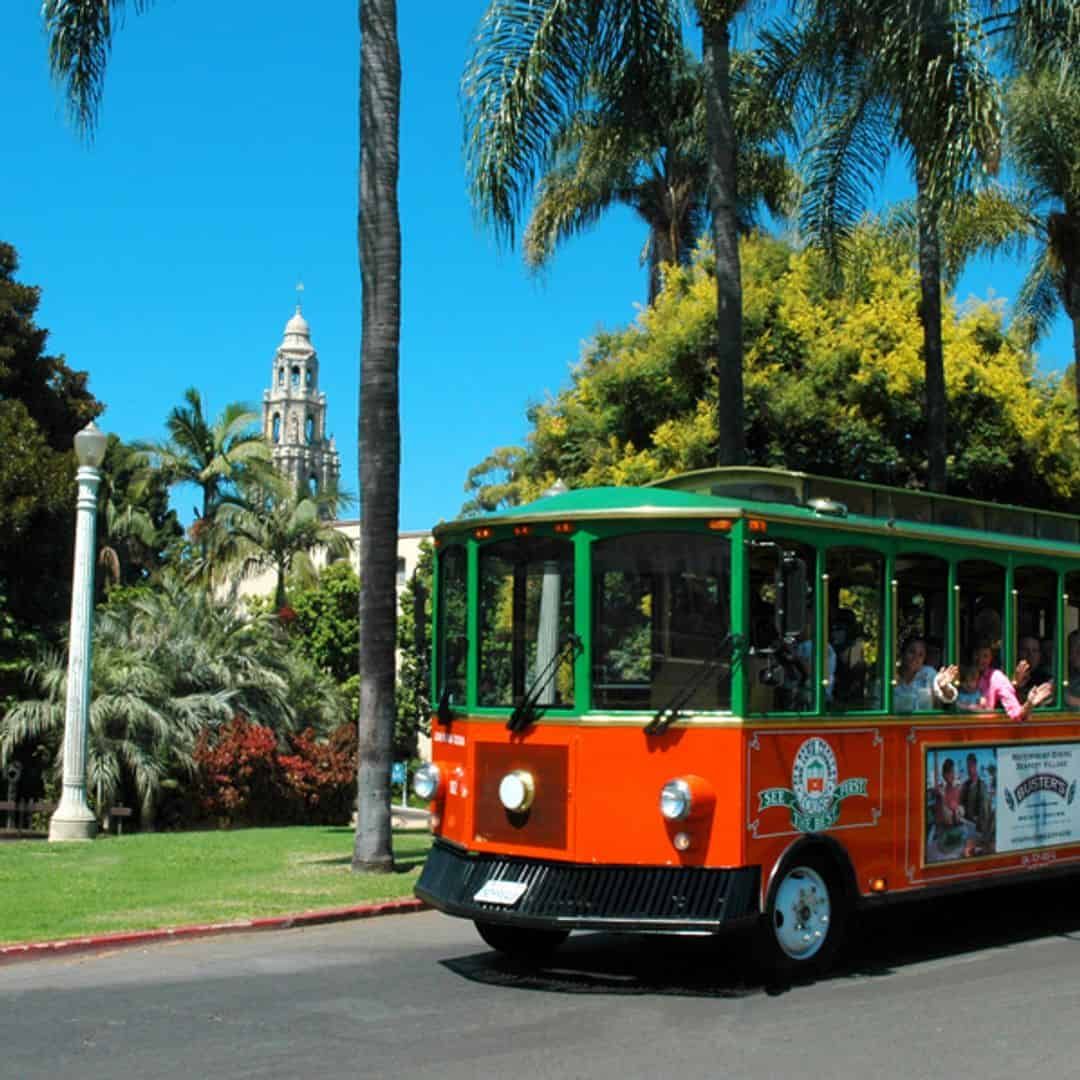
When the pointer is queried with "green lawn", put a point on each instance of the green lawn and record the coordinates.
(142, 882)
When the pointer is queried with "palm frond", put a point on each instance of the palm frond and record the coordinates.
(530, 69)
(1040, 296)
(80, 34)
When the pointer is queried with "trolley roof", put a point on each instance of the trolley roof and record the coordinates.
(797, 496)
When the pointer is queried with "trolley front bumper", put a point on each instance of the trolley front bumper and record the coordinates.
(543, 893)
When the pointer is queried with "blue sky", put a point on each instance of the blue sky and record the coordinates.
(224, 169)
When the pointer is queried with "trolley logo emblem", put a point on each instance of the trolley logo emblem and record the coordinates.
(816, 794)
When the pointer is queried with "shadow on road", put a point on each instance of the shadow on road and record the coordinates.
(881, 942)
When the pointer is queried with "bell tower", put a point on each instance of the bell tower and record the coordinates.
(294, 412)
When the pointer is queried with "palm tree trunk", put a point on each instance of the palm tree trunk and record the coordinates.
(933, 354)
(379, 236)
(1067, 230)
(1074, 318)
(660, 252)
(716, 56)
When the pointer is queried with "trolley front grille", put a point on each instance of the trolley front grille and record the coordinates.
(581, 895)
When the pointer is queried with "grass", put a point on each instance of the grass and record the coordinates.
(148, 881)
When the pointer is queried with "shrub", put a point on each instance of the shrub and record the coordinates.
(246, 778)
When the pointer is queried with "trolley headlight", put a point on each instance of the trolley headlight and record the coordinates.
(426, 782)
(517, 790)
(675, 800)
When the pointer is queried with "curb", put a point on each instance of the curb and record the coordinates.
(41, 949)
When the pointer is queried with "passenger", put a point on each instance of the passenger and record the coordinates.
(919, 686)
(996, 689)
(845, 636)
(934, 651)
(968, 697)
(1030, 671)
(1072, 688)
(804, 657)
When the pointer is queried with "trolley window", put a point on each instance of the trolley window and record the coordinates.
(856, 604)
(453, 627)
(661, 610)
(1036, 591)
(526, 622)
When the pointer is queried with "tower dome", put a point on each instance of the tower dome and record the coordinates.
(297, 333)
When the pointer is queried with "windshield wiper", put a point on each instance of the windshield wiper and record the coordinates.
(529, 710)
(444, 712)
(667, 714)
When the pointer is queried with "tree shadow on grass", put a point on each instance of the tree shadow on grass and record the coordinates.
(882, 943)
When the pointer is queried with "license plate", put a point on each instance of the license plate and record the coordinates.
(501, 892)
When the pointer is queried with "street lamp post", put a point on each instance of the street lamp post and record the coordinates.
(73, 819)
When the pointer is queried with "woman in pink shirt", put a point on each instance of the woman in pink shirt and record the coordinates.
(996, 689)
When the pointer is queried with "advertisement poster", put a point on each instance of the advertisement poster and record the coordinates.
(987, 800)
(1038, 806)
(961, 806)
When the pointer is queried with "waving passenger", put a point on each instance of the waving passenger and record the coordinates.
(996, 689)
(918, 686)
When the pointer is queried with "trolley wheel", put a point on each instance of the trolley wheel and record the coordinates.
(805, 916)
(522, 943)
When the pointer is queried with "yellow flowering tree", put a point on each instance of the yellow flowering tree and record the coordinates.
(834, 385)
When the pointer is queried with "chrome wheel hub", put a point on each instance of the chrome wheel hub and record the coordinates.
(801, 913)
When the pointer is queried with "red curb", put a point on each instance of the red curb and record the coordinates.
(35, 950)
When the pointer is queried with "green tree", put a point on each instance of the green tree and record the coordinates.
(834, 380)
(80, 36)
(326, 629)
(534, 63)
(876, 76)
(135, 525)
(659, 168)
(277, 526)
(43, 403)
(414, 651)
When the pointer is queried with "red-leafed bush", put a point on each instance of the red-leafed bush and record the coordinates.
(321, 775)
(245, 778)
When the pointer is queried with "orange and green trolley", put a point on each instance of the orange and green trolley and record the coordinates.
(688, 706)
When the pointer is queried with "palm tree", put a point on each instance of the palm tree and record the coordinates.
(873, 76)
(80, 36)
(142, 725)
(1043, 141)
(659, 168)
(533, 66)
(211, 455)
(165, 665)
(280, 527)
(379, 237)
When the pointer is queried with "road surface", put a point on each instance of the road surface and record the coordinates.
(984, 985)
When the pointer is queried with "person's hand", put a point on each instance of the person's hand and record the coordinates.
(1041, 694)
(949, 674)
(1021, 674)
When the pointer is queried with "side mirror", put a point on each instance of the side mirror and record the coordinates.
(791, 582)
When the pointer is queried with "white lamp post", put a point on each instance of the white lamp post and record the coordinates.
(73, 819)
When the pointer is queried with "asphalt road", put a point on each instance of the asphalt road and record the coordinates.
(986, 985)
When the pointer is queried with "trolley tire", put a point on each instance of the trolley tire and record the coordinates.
(521, 943)
(805, 917)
